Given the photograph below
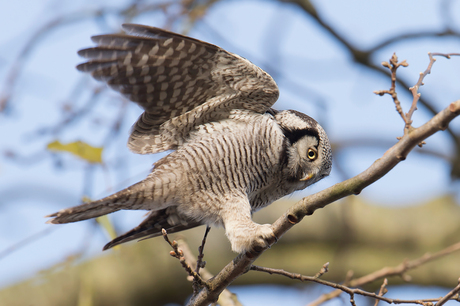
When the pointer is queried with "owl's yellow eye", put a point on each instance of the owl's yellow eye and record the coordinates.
(311, 154)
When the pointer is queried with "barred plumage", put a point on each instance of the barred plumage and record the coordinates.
(181, 82)
(233, 153)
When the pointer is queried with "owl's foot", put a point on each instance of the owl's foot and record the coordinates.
(253, 238)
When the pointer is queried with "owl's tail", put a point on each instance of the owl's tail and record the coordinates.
(137, 196)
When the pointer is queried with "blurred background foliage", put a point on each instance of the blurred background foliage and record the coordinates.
(63, 139)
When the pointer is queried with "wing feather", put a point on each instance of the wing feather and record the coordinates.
(180, 82)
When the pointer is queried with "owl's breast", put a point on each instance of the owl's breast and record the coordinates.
(233, 154)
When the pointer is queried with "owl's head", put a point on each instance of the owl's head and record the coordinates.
(307, 147)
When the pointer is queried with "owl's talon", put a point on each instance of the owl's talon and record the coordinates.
(255, 237)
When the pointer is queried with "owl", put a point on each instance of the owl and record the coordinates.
(232, 154)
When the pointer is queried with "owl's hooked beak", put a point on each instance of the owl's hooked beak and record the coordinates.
(307, 177)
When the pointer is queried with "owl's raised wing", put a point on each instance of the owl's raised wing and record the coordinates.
(179, 81)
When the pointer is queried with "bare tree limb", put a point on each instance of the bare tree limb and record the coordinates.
(399, 270)
(308, 205)
(364, 56)
(352, 291)
(393, 66)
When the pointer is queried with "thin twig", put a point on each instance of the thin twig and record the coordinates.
(177, 253)
(393, 67)
(227, 298)
(200, 263)
(399, 270)
(414, 89)
(323, 270)
(382, 291)
(450, 295)
(350, 291)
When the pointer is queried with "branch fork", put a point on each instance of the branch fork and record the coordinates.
(393, 66)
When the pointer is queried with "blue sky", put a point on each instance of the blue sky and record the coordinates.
(310, 67)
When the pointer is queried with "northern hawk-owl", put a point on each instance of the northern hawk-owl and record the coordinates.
(232, 153)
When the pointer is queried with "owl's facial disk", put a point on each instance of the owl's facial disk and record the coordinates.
(308, 148)
(304, 159)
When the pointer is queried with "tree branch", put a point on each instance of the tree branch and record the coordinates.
(352, 291)
(227, 298)
(179, 254)
(399, 270)
(308, 205)
(364, 56)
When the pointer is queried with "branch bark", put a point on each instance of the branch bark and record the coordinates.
(308, 205)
